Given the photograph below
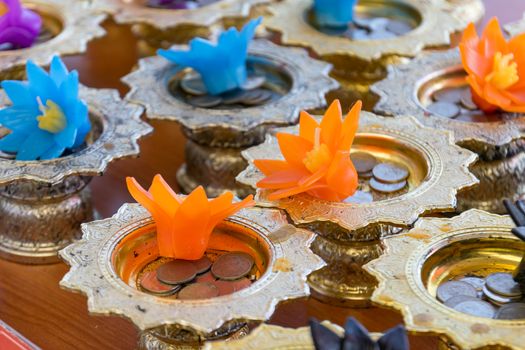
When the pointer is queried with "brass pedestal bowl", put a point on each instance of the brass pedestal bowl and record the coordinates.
(416, 263)
(216, 136)
(107, 262)
(67, 27)
(360, 60)
(498, 139)
(43, 203)
(350, 232)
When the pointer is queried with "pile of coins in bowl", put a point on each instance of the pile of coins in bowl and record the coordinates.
(259, 89)
(215, 274)
(376, 28)
(178, 4)
(456, 103)
(377, 180)
(497, 296)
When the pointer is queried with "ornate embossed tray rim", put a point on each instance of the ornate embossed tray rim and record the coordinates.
(125, 13)
(80, 24)
(398, 271)
(398, 95)
(92, 274)
(448, 172)
(122, 127)
(310, 82)
(434, 14)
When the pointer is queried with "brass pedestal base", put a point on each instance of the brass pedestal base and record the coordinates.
(215, 168)
(36, 221)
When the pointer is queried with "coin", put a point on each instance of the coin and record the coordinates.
(233, 97)
(475, 282)
(451, 289)
(367, 175)
(447, 95)
(362, 22)
(443, 109)
(176, 272)
(193, 84)
(512, 311)
(386, 188)
(359, 34)
(206, 101)
(390, 173)
(378, 23)
(466, 100)
(150, 283)
(360, 197)
(381, 34)
(363, 162)
(398, 27)
(232, 266)
(496, 298)
(195, 291)
(229, 287)
(451, 302)
(205, 277)
(503, 284)
(477, 308)
(256, 97)
(253, 82)
(202, 265)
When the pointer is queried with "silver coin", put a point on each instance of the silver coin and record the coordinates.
(386, 187)
(512, 311)
(390, 173)
(466, 100)
(444, 109)
(381, 34)
(367, 175)
(478, 308)
(398, 27)
(503, 284)
(359, 34)
(233, 97)
(451, 302)
(253, 82)
(206, 101)
(497, 299)
(362, 22)
(363, 162)
(193, 85)
(256, 97)
(451, 289)
(378, 23)
(359, 197)
(448, 95)
(475, 282)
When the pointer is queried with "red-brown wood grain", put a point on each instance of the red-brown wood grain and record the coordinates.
(30, 298)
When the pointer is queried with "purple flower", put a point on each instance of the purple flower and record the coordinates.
(18, 26)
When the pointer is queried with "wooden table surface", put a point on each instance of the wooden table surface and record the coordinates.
(30, 298)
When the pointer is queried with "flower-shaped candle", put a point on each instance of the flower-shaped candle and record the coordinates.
(476, 92)
(269, 88)
(56, 135)
(157, 276)
(423, 273)
(40, 29)
(46, 117)
(404, 170)
(334, 13)
(19, 26)
(222, 66)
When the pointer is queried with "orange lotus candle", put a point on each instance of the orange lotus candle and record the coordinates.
(184, 223)
(317, 161)
(495, 67)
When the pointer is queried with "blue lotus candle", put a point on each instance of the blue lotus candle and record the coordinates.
(46, 117)
(19, 27)
(222, 66)
(334, 13)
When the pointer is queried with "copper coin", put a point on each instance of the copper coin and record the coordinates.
(450, 95)
(367, 175)
(205, 277)
(176, 272)
(203, 264)
(466, 100)
(229, 287)
(390, 173)
(477, 308)
(206, 101)
(398, 27)
(360, 197)
(385, 187)
(503, 284)
(444, 109)
(512, 311)
(451, 289)
(232, 266)
(363, 162)
(150, 283)
(195, 291)
(451, 302)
